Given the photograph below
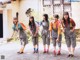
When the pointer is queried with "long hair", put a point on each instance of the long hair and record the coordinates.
(46, 17)
(68, 19)
(31, 23)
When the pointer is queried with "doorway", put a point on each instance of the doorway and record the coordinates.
(1, 25)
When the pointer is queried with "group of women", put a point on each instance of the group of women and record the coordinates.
(50, 30)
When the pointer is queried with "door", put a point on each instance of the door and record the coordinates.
(1, 25)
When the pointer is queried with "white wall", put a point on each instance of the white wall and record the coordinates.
(5, 24)
(9, 12)
(24, 5)
(76, 13)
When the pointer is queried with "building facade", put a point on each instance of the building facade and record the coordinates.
(19, 7)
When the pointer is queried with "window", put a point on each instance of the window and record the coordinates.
(59, 6)
(56, 6)
(67, 8)
(46, 2)
(57, 1)
(66, 1)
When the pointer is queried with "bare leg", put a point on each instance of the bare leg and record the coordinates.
(73, 49)
(36, 48)
(72, 52)
(54, 48)
(21, 50)
(69, 49)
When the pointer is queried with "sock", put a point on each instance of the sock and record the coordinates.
(72, 53)
(37, 49)
(34, 49)
(54, 51)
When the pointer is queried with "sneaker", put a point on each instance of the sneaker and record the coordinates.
(44, 52)
(69, 55)
(20, 52)
(72, 55)
(54, 52)
(59, 53)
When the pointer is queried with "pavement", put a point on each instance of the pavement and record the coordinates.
(8, 51)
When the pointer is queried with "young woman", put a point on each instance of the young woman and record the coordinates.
(20, 28)
(45, 33)
(34, 33)
(69, 31)
(55, 33)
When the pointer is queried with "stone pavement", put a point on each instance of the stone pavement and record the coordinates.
(9, 50)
